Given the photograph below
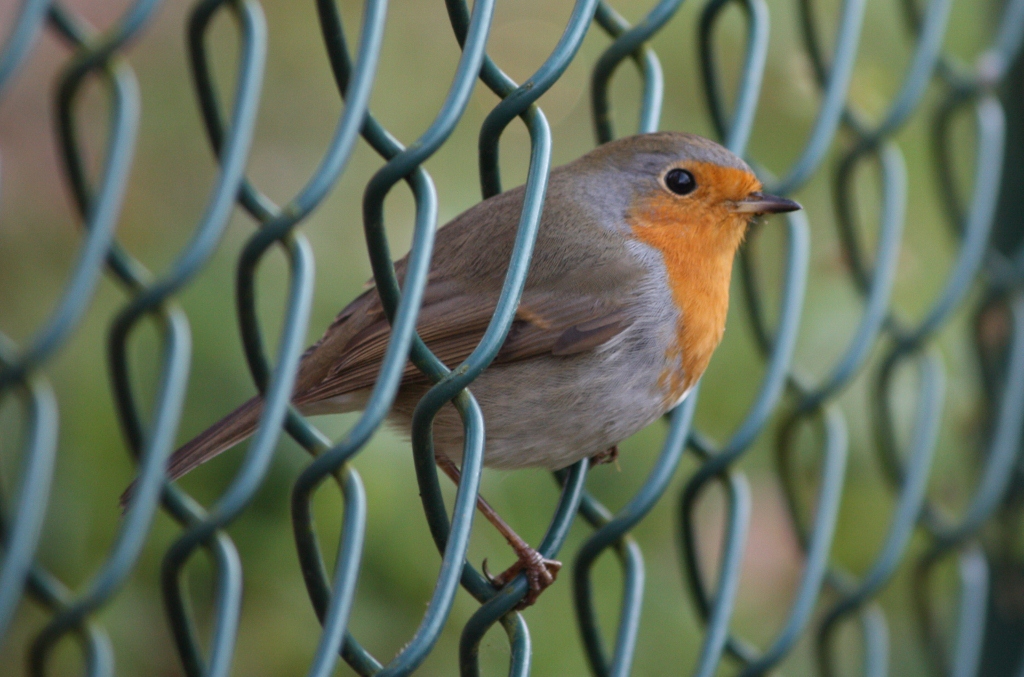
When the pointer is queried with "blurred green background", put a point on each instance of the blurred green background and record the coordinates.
(173, 170)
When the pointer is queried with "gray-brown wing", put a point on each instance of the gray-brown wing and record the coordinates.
(452, 326)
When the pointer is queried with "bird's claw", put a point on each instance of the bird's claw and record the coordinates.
(540, 573)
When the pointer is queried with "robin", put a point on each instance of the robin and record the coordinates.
(625, 302)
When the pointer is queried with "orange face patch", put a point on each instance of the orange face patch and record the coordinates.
(697, 235)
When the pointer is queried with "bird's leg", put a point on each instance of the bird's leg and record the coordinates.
(540, 571)
(606, 456)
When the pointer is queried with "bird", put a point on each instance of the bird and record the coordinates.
(624, 303)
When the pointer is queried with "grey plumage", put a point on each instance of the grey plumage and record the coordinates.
(593, 333)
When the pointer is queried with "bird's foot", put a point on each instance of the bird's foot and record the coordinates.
(606, 456)
(540, 573)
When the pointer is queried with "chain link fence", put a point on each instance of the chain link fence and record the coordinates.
(972, 626)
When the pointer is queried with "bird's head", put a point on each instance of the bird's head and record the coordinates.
(684, 188)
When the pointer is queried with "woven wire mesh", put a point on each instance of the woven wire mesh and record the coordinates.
(985, 278)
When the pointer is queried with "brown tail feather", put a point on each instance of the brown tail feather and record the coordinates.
(222, 435)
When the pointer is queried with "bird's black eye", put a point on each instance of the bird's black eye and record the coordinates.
(680, 181)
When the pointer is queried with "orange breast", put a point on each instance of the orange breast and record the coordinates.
(697, 236)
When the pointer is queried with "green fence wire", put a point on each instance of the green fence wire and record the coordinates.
(986, 276)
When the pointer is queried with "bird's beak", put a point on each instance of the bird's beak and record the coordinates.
(762, 203)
